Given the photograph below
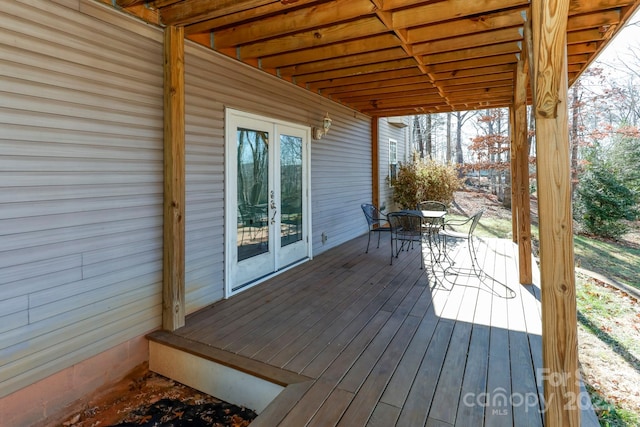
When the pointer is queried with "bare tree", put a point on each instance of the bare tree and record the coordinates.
(490, 148)
(461, 118)
(448, 155)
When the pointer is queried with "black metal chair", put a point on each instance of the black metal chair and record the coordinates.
(406, 229)
(376, 220)
(431, 205)
(452, 230)
(254, 219)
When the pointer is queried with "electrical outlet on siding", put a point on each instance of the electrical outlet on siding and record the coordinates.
(324, 237)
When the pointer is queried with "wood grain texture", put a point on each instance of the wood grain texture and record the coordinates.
(559, 335)
(549, 19)
(337, 39)
(375, 161)
(173, 301)
(520, 160)
(385, 345)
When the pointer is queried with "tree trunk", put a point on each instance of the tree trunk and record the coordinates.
(575, 110)
(429, 143)
(491, 155)
(459, 157)
(417, 132)
(448, 160)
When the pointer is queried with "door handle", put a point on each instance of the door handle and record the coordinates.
(273, 208)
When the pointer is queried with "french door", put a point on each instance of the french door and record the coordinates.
(267, 204)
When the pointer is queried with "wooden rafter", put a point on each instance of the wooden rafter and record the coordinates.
(328, 45)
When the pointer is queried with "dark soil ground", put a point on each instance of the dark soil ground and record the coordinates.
(146, 399)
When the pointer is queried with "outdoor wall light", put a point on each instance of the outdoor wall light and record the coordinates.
(326, 125)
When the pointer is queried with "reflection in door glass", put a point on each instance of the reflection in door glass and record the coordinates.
(253, 187)
(290, 189)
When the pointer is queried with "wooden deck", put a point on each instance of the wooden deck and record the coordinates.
(359, 342)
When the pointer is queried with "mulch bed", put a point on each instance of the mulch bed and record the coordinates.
(176, 413)
(146, 399)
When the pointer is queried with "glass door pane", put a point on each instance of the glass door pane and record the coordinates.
(253, 193)
(266, 198)
(290, 189)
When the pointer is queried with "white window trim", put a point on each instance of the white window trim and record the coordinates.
(392, 161)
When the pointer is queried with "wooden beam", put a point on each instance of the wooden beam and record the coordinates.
(253, 13)
(468, 42)
(173, 289)
(514, 194)
(190, 11)
(482, 93)
(458, 66)
(356, 71)
(383, 76)
(314, 54)
(577, 49)
(341, 62)
(375, 162)
(594, 20)
(527, 55)
(472, 72)
(390, 93)
(559, 320)
(381, 86)
(482, 86)
(586, 36)
(128, 3)
(324, 14)
(578, 7)
(520, 174)
(460, 27)
(415, 102)
(285, 47)
(471, 53)
(442, 11)
(482, 78)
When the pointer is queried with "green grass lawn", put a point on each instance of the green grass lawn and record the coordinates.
(612, 260)
(491, 227)
(609, 259)
(612, 320)
(600, 312)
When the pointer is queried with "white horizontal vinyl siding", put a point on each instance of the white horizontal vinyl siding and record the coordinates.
(385, 133)
(204, 151)
(341, 181)
(80, 184)
(340, 162)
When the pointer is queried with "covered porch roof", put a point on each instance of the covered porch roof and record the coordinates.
(398, 57)
(388, 57)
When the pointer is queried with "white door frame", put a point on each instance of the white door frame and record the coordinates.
(230, 198)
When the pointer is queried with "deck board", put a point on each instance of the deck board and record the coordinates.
(383, 345)
(416, 406)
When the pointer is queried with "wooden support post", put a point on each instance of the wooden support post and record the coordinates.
(375, 162)
(559, 321)
(513, 186)
(173, 292)
(520, 175)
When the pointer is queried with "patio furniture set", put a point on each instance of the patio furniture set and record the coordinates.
(428, 228)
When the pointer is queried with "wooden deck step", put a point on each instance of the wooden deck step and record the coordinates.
(230, 377)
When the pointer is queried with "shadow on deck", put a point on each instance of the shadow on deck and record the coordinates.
(350, 340)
